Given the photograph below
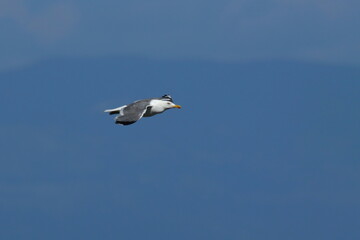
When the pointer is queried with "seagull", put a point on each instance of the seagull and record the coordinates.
(129, 114)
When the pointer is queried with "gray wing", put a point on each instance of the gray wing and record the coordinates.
(133, 112)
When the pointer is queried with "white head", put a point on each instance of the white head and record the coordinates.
(160, 105)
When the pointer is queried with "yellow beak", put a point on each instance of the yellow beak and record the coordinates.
(177, 106)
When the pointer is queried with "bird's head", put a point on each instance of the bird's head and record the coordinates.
(169, 104)
(161, 104)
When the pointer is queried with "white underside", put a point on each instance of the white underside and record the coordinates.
(157, 106)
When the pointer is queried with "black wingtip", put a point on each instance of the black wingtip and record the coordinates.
(124, 123)
(167, 96)
(114, 112)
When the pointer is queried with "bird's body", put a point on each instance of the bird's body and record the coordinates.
(129, 114)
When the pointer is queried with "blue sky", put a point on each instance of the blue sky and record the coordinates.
(265, 146)
(265, 150)
(324, 31)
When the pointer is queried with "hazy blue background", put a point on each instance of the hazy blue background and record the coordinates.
(265, 147)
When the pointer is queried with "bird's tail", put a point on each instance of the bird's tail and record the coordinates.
(114, 110)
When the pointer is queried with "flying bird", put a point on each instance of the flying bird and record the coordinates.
(129, 114)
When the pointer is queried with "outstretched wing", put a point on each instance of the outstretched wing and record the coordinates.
(132, 112)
